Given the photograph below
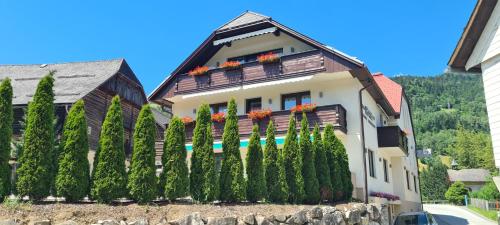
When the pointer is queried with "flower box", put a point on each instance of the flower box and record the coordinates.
(187, 120)
(304, 108)
(268, 58)
(231, 65)
(218, 117)
(199, 70)
(389, 197)
(259, 114)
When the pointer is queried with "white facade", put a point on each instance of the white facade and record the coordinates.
(487, 54)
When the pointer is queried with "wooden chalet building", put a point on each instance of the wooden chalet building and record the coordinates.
(370, 113)
(95, 82)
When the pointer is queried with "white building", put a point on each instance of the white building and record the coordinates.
(478, 51)
(381, 146)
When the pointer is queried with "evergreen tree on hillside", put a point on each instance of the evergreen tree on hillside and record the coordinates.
(311, 185)
(274, 170)
(175, 171)
(110, 179)
(142, 183)
(6, 118)
(321, 163)
(232, 181)
(292, 163)
(256, 183)
(35, 173)
(434, 180)
(73, 176)
(330, 145)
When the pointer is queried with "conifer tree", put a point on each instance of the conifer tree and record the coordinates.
(256, 184)
(311, 185)
(35, 173)
(232, 181)
(6, 118)
(175, 171)
(345, 173)
(110, 179)
(274, 170)
(142, 183)
(73, 176)
(292, 163)
(322, 169)
(329, 143)
(210, 176)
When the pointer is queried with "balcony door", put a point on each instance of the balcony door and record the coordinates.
(293, 99)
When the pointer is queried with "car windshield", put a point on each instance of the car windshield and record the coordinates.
(411, 220)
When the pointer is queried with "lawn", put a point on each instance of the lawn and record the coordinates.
(488, 214)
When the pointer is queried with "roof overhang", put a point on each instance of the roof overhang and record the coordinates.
(471, 34)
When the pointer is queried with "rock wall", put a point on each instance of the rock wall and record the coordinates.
(350, 214)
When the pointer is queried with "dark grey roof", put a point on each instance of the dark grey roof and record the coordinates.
(72, 80)
(161, 118)
(469, 175)
(247, 17)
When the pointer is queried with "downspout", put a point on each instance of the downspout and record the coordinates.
(363, 147)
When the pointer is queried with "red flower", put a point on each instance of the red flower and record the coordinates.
(268, 58)
(187, 120)
(259, 114)
(218, 117)
(230, 65)
(199, 70)
(308, 107)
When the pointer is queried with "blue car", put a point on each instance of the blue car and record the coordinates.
(415, 218)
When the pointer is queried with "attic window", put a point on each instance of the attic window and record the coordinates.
(253, 57)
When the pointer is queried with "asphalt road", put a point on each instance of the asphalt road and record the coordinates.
(456, 215)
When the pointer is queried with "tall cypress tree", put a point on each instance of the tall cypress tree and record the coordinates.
(311, 185)
(292, 163)
(274, 171)
(6, 118)
(210, 176)
(322, 169)
(110, 179)
(330, 144)
(232, 181)
(345, 173)
(256, 184)
(175, 171)
(142, 182)
(73, 176)
(35, 173)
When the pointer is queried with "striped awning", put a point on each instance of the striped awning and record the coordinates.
(243, 36)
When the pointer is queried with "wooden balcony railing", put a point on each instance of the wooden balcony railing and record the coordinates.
(392, 137)
(329, 114)
(253, 72)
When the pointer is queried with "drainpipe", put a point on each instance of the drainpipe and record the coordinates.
(363, 147)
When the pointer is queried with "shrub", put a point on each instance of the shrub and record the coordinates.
(6, 118)
(311, 185)
(292, 163)
(255, 169)
(142, 184)
(110, 179)
(487, 192)
(232, 181)
(35, 173)
(456, 193)
(274, 170)
(73, 176)
(330, 145)
(322, 169)
(434, 180)
(175, 171)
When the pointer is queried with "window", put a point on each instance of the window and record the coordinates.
(408, 179)
(219, 107)
(386, 174)
(415, 183)
(290, 100)
(253, 57)
(371, 163)
(253, 104)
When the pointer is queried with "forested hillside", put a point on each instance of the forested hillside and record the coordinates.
(449, 114)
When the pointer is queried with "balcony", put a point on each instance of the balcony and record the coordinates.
(329, 114)
(392, 141)
(289, 66)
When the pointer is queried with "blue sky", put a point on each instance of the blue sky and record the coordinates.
(394, 37)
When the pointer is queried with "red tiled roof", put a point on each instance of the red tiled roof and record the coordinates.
(392, 90)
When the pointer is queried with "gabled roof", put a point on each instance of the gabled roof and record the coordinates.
(392, 91)
(72, 80)
(471, 34)
(469, 175)
(246, 18)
